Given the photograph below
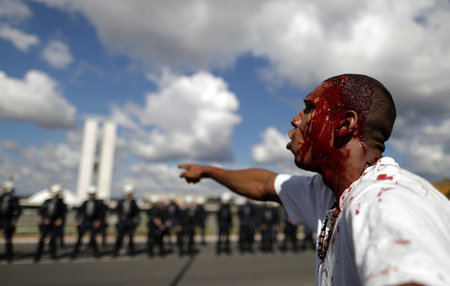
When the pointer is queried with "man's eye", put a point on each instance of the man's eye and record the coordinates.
(308, 108)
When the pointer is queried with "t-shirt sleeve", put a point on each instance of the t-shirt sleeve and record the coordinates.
(305, 198)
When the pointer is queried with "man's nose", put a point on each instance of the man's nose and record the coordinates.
(296, 120)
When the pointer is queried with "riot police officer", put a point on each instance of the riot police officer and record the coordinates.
(270, 220)
(185, 229)
(172, 215)
(156, 227)
(308, 238)
(128, 218)
(104, 220)
(247, 219)
(61, 229)
(290, 234)
(88, 218)
(224, 222)
(200, 218)
(10, 211)
(52, 213)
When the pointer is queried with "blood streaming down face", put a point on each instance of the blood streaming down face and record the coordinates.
(331, 100)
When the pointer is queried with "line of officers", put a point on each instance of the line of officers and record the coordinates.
(170, 225)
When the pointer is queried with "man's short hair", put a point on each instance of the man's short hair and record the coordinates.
(371, 101)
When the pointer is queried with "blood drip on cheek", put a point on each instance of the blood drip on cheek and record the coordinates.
(321, 129)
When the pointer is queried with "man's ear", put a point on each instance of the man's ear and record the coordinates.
(346, 128)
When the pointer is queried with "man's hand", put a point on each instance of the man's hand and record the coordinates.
(193, 172)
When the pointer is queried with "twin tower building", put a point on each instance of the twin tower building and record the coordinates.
(97, 159)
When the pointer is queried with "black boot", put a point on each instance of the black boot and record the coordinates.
(53, 249)
(76, 249)
(39, 251)
(9, 251)
(131, 246)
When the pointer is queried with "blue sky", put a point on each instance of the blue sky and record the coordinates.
(208, 82)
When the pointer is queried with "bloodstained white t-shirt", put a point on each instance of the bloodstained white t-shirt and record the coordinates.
(393, 228)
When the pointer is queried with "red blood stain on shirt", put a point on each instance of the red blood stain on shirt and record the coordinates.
(402, 241)
(385, 271)
(384, 177)
(357, 209)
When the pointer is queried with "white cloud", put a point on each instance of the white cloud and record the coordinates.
(272, 149)
(36, 168)
(20, 40)
(426, 148)
(35, 98)
(187, 117)
(57, 54)
(272, 152)
(404, 44)
(14, 10)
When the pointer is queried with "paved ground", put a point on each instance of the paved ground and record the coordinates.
(204, 268)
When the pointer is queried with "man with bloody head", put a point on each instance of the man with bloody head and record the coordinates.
(377, 223)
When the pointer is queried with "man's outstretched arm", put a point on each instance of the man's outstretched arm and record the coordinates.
(256, 184)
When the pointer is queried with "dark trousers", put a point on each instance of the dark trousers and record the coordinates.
(45, 230)
(246, 238)
(8, 232)
(267, 238)
(155, 238)
(125, 227)
(224, 238)
(185, 236)
(201, 227)
(103, 229)
(290, 236)
(82, 228)
(61, 234)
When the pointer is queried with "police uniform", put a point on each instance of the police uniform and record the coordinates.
(224, 222)
(10, 211)
(104, 214)
(247, 220)
(156, 228)
(52, 213)
(199, 220)
(290, 234)
(308, 238)
(63, 224)
(88, 218)
(185, 235)
(270, 220)
(172, 215)
(128, 218)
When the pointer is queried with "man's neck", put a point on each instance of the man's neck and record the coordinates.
(347, 165)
